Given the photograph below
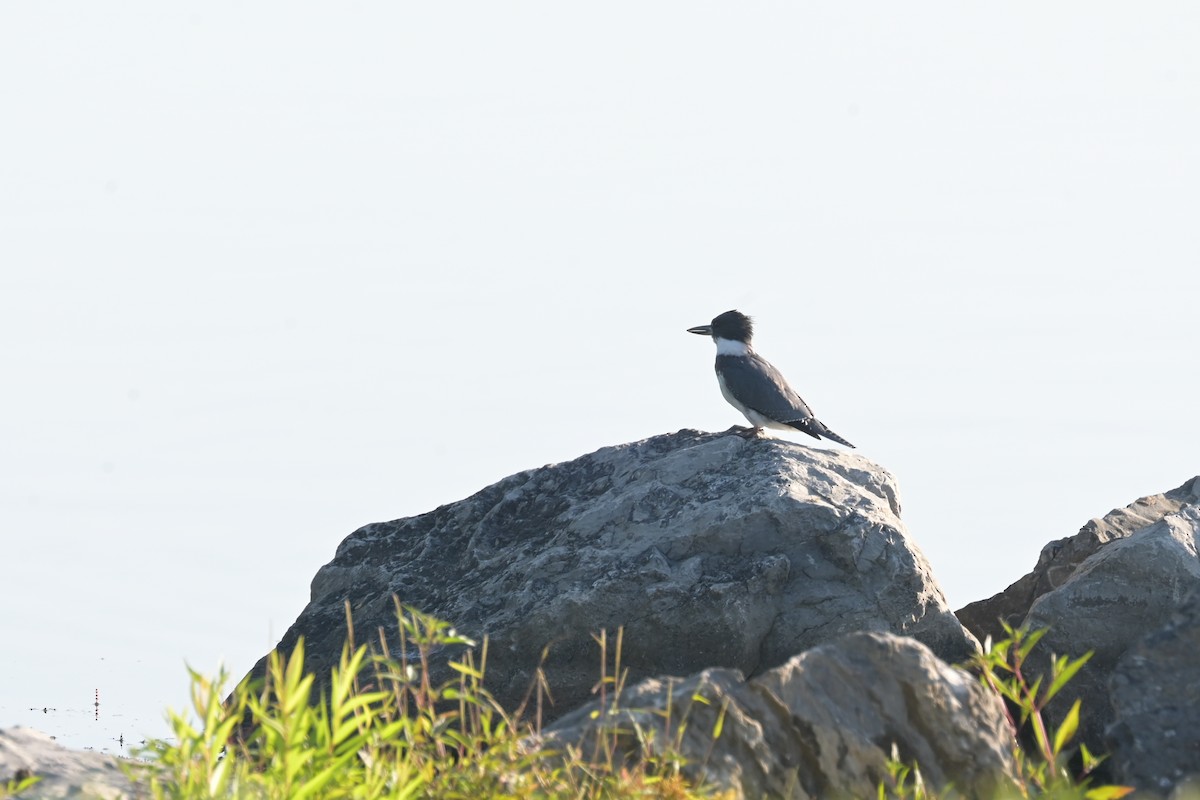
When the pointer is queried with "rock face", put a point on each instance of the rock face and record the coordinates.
(64, 773)
(1120, 578)
(1155, 687)
(709, 549)
(1060, 559)
(1130, 588)
(820, 725)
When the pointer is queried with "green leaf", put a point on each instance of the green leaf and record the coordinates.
(465, 670)
(1066, 673)
(411, 788)
(363, 700)
(17, 786)
(393, 729)
(1000, 649)
(298, 692)
(1107, 792)
(1039, 736)
(344, 730)
(454, 638)
(295, 665)
(1066, 731)
(720, 724)
(1029, 641)
(1033, 691)
(1090, 762)
(321, 779)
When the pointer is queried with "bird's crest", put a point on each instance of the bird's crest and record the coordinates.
(733, 325)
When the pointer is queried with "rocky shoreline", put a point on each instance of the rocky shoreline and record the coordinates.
(781, 577)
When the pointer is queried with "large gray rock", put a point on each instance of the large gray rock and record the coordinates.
(1130, 588)
(1060, 559)
(1155, 689)
(710, 549)
(821, 725)
(64, 773)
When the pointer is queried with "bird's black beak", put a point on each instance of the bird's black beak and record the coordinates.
(702, 330)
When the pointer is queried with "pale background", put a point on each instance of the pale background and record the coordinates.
(274, 271)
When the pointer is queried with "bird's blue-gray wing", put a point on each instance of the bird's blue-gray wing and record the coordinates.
(759, 386)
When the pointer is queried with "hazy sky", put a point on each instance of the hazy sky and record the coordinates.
(269, 272)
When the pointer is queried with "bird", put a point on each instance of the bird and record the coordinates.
(753, 386)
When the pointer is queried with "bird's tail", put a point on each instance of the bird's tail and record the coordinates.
(814, 427)
(828, 434)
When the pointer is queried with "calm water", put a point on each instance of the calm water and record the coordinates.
(111, 702)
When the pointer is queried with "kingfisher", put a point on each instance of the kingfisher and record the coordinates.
(753, 386)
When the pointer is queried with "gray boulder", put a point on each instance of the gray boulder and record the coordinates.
(1155, 690)
(64, 773)
(711, 550)
(1129, 588)
(1060, 559)
(821, 725)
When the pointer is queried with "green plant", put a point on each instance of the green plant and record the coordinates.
(904, 780)
(17, 784)
(647, 743)
(382, 728)
(1043, 770)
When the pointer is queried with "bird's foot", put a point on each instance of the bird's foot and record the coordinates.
(746, 433)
